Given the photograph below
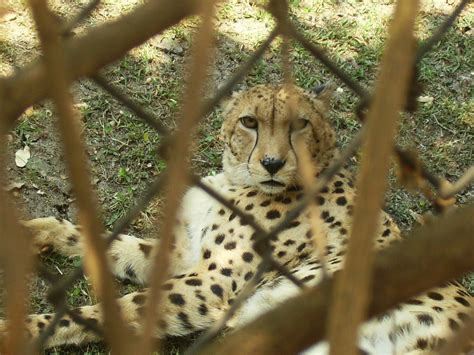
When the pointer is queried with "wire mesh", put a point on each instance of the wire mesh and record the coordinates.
(284, 27)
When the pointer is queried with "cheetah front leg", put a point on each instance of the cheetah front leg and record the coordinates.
(129, 257)
(66, 332)
(191, 302)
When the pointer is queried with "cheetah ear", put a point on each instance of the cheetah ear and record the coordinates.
(323, 93)
(226, 102)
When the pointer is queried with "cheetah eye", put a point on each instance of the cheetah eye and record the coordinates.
(249, 122)
(298, 125)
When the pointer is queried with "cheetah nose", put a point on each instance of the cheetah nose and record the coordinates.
(272, 165)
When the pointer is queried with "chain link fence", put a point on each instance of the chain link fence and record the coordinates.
(63, 63)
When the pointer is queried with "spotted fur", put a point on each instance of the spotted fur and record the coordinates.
(214, 257)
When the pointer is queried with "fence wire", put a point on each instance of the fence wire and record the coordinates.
(284, 27)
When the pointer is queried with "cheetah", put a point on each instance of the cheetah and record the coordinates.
(214, 258)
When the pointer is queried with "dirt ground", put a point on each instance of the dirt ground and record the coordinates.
(122, 150)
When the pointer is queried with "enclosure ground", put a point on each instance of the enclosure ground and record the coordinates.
(123, 150)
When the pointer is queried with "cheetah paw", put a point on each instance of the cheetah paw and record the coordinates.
(51, 234)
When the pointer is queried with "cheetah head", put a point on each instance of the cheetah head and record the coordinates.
(261, 129)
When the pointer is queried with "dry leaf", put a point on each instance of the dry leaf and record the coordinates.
(81, 105)
(426, 99)
(22, 156)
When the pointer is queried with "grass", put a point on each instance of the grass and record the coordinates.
(123, 150)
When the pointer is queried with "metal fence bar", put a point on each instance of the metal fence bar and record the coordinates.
(138, 110)
(321, 182)
(347, 313)
(219, 326)
(68, 124)
(285, 27)
(178, 167)
(84, 13)
(400, 272)
(428, 45)
(16, 259)
(111, 41)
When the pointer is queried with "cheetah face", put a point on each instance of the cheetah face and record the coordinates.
(261, 130)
